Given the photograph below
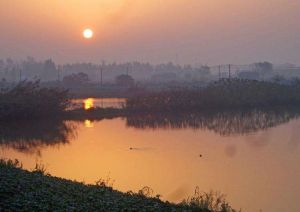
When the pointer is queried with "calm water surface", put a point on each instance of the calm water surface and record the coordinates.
(253, 158)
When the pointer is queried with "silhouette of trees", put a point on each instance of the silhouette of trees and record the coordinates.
(264, 66)
(265, 69)
(49, 71)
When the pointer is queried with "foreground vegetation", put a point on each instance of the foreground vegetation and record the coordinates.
(221, 95)
(21, 190)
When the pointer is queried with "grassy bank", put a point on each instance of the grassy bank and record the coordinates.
(21, 190)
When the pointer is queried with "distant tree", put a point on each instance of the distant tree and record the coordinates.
(278, 79)
(76, 79)
(49, 71)
(264, 69)
(204, 70)
(124, 80)
(251, 75)
(3, 83)
(264, 66)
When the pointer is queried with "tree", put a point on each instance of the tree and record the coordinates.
(264, 69)
(264, 66)
(49, 70)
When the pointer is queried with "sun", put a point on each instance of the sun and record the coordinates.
(88, 33)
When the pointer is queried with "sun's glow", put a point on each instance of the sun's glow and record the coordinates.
(88, 103)
(88, 33)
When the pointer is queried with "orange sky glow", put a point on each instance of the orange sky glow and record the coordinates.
(206, 31)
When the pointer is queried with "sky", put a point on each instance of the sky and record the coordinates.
(156, 31)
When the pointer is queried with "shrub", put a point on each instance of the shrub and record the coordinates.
(28, 100)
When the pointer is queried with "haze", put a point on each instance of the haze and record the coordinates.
(183, 31)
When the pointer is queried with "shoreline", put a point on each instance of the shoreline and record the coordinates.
(37, 190)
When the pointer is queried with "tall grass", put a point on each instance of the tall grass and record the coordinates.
(211, 201)
(224, 94)
(10, 163)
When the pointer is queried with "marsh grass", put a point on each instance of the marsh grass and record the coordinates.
(224, 94)
(40, 169)
(146, 192)
(213, 201)
(107, 182)
(11, 163)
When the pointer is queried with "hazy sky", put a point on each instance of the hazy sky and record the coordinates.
(204, 31)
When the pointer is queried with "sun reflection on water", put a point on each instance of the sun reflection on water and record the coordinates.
(88, 123)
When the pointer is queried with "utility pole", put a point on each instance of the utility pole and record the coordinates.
(58, 74)
(229, 71)
(20, 75)
(101, 76)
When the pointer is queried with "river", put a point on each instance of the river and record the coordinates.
(252, 157)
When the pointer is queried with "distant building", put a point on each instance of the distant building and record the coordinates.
(124, 80)
(76, 79)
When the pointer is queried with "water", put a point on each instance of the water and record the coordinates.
(252, 157)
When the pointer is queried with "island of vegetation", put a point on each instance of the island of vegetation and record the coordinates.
(28, 100)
